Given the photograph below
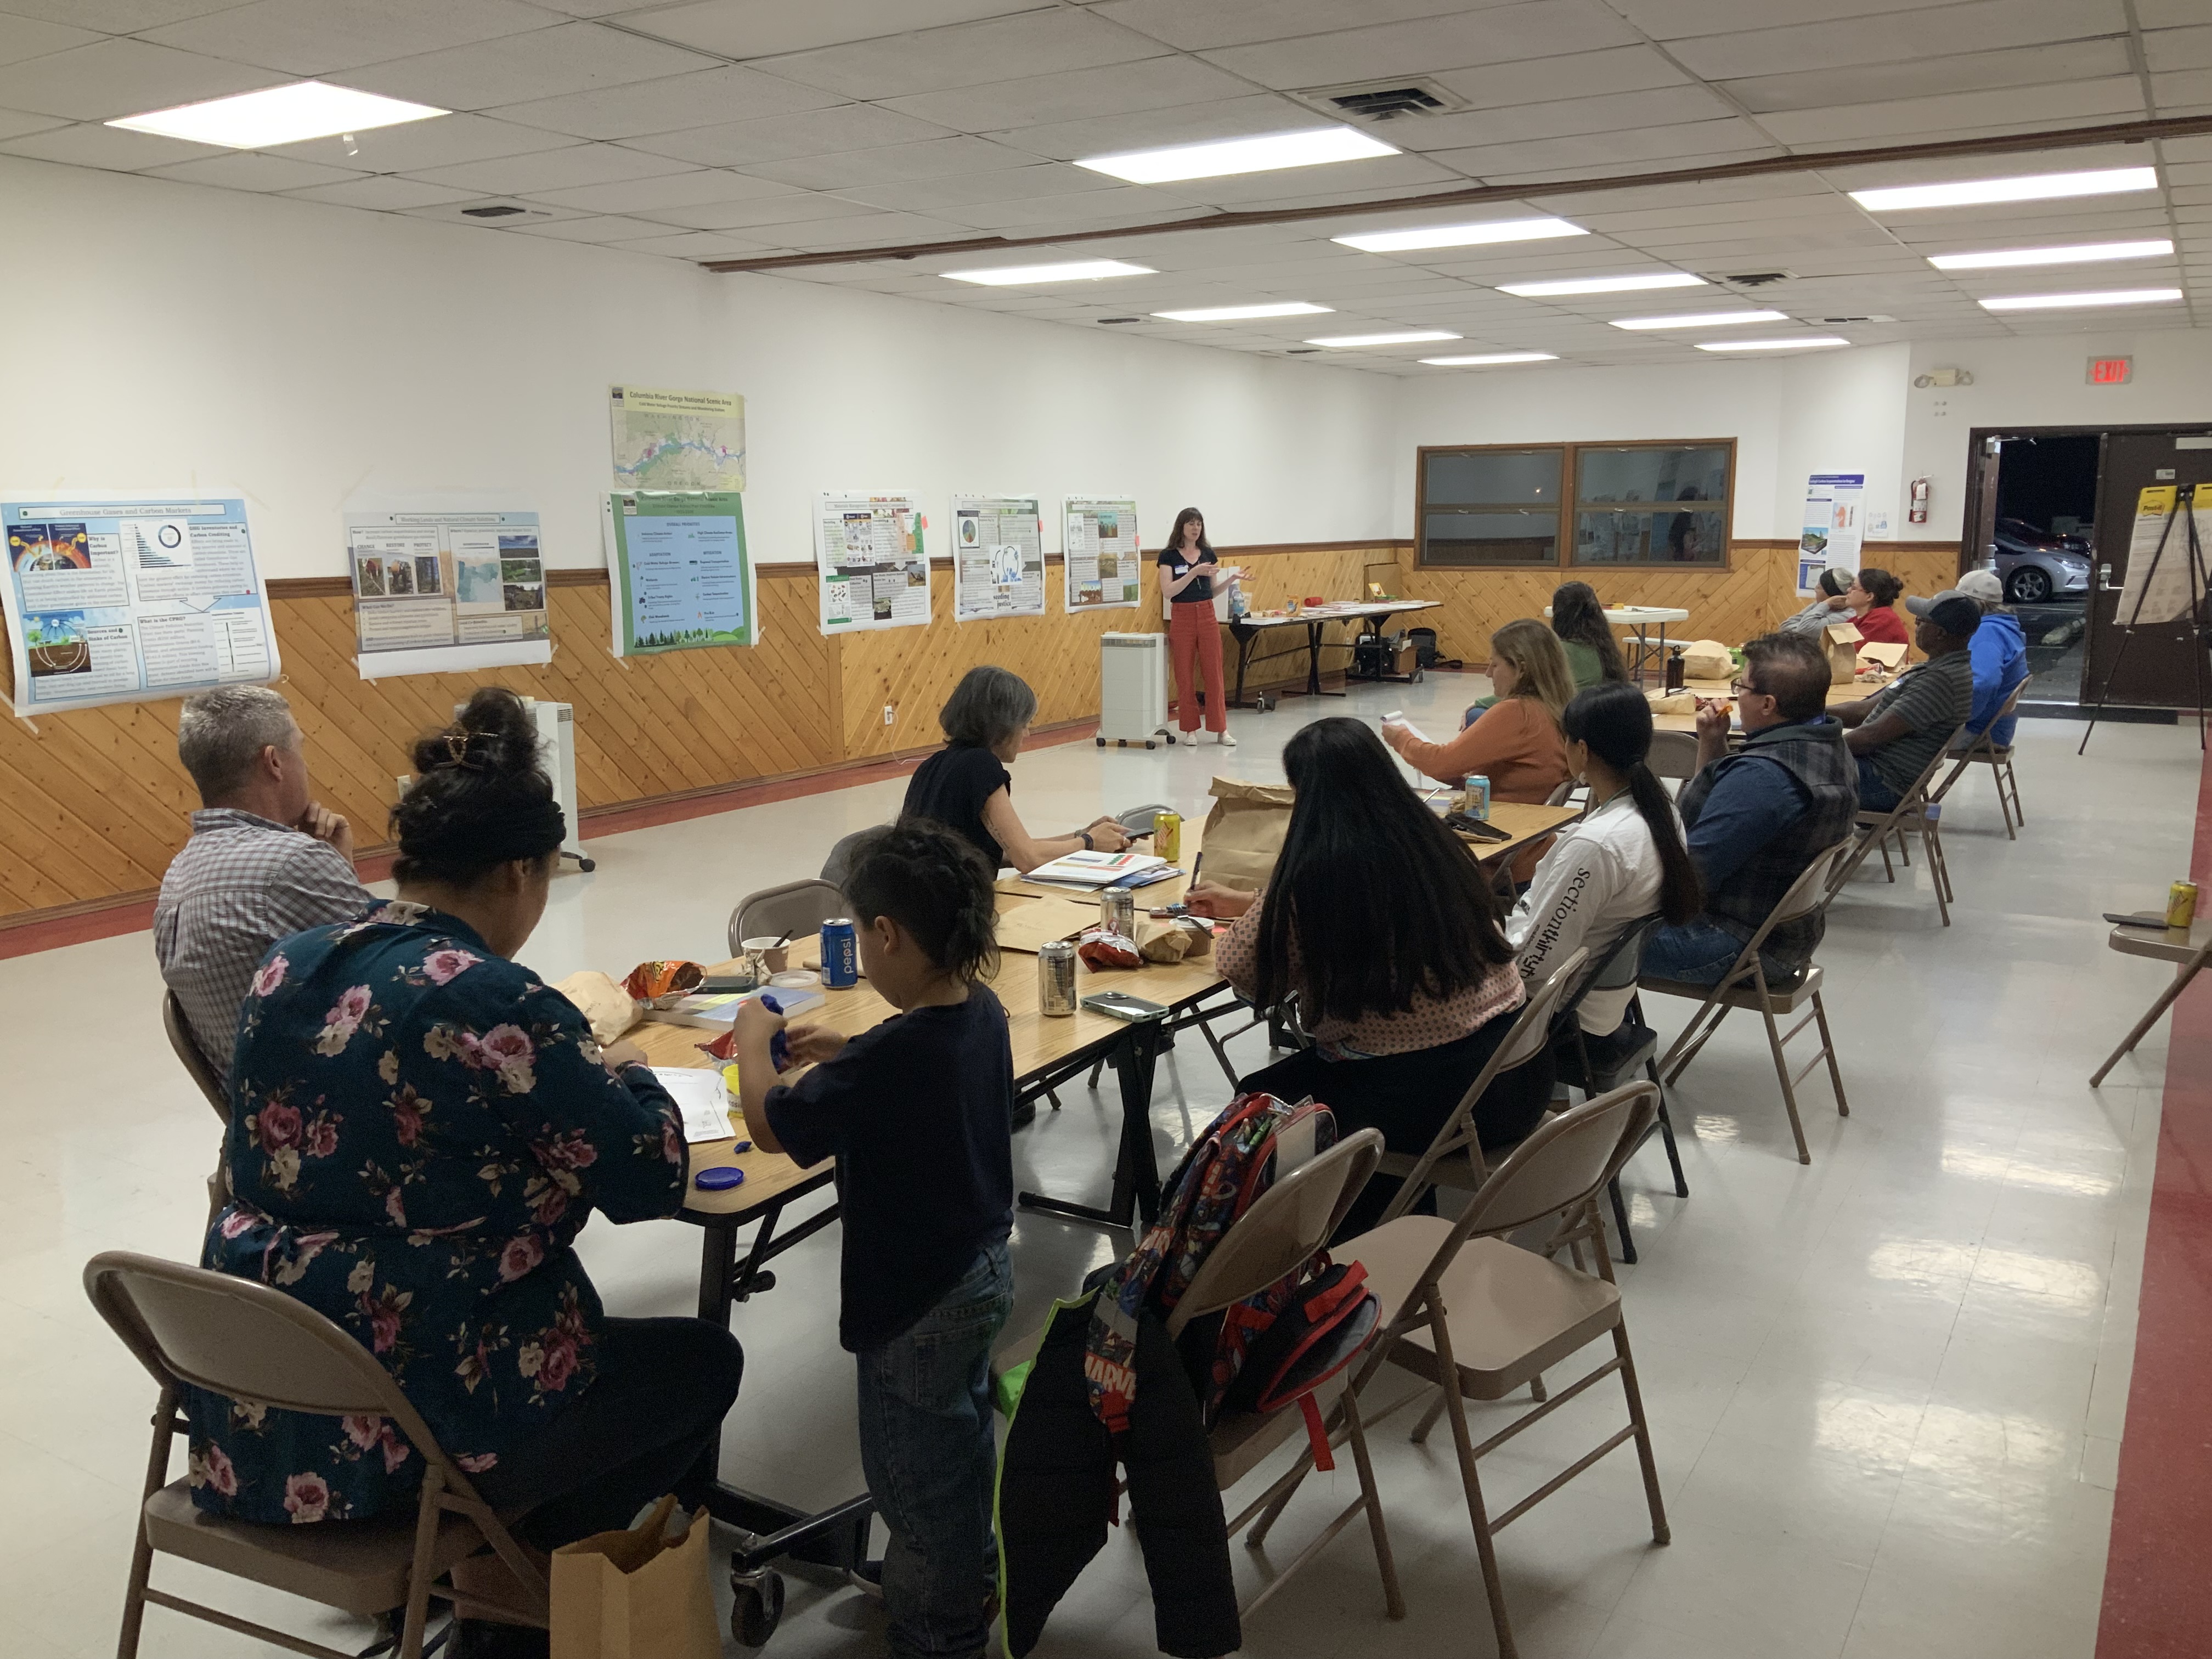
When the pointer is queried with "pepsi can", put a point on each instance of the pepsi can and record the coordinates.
(841, 954)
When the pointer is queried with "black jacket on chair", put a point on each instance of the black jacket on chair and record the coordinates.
(1056, 1494)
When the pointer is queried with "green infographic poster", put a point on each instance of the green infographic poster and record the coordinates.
(681, 576)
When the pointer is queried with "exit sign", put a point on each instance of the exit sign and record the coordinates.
(2111, 371)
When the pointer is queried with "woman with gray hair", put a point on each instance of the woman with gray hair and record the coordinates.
(965, 786)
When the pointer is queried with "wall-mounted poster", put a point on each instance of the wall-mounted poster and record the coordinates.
(998, 557)
(442, 591)
(117, 598)
(1099, 537)
(872, 568)
(682, 579)
(1834, 524)
(677, 439)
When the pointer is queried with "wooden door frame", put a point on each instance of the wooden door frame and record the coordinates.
(1973, 533)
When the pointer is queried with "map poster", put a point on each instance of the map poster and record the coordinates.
(681, 575)
(873, 570)
(677, 439)
(115, 599)
(1099, 540)
(998, 557)
(444, 591)
(1835, 505)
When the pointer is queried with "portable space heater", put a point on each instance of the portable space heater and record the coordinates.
(1133, 690)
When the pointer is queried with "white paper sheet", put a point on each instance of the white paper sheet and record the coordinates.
(700, 1095)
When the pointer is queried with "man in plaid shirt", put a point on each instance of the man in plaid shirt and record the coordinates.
(265, 860)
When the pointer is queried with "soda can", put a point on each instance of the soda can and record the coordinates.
(841, 954)
(1117, 909)
(1478, 797)
(2181, 904)
(1056, 978)
(1167, 836)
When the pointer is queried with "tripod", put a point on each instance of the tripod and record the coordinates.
(2184, 513)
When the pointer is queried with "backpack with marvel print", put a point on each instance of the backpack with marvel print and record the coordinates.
(1256, 1139)
(1324, 1317)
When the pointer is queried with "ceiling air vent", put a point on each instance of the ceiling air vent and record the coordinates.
(1383, 100)
(1871, 317)
(1300, 351)
(497, 211)
(1756, 278)
(1121, 319)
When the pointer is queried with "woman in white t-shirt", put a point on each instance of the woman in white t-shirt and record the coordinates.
(1617, 863)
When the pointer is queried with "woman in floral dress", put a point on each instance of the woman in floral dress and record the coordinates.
(419, 1130)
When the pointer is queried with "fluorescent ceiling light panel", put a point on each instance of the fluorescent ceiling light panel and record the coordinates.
(1234, 313)
(1071, 271)
(1603, 284)
(2125, 297)
(1425, 236)
(2032, 187)
(1221, 157)
(1399, 336)
(1795, 343)
(1704, 319)
(1492, 357)
(2087, 253)
(278, 115)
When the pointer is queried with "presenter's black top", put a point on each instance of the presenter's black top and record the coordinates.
(952, 786)
(1174, 561)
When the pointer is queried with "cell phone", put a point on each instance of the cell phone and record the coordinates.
(2158, 922)
(1476, 827)
(719, 985)
(1122, 1005)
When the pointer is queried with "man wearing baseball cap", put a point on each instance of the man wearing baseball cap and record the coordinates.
(1898, 731)
(2000, 654)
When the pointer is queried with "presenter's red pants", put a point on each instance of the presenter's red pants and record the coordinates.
(1194, 637)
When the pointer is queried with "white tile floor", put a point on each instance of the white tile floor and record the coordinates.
(1887, 1391)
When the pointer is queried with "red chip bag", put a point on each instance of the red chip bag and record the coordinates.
(650, 980)
(1105, 947)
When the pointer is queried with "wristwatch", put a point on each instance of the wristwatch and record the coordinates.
(1089, 845)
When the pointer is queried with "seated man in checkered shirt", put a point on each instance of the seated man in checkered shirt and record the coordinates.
(265, 860)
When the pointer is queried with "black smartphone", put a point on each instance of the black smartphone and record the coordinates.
(718, 985)
(1122, 1005)
(1480, 830)
(2159, 922)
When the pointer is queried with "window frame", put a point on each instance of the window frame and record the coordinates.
(1570, 504)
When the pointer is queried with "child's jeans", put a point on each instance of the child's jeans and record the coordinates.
(929, 1448)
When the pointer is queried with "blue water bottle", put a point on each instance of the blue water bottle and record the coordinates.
(841, 954)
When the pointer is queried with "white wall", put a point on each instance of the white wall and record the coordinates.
(157, 335)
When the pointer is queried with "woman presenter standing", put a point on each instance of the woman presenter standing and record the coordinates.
(1187, 573)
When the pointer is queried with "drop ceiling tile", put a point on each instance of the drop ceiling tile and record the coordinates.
(1650, 145)
(415, 146)
(1245, 22)
(519, 68)
(1925, 32)
(758, 28)
(1154, 83)
(384, 194)
(110, 78)
(598, 227)
(967, 54)
(695, 245)
(931, 158)
(874, 230)
(1043, 214)
(1109, 134)
(554, 169)
(1495, 34)
(245, 170)
(675, 190)
(2182, 88)
(29, 37)
(1575, 75)
(785, 137)
(2113, 97)
(2189, 172)
(1934, 78)
(89, 144)
(2149, 14)
(458, 213)
(1344, 181)
(115, 16)
(315, 37)
(791, 209)
(1558, 118)
(1031, 183)
(14, 124)
(670, 104)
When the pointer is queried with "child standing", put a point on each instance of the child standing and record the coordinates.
(918, 1114)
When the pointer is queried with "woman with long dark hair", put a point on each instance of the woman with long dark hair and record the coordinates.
(1617, 863)
(1593, 654)
(1381, 922)
(1188, 570)
(1872, 598)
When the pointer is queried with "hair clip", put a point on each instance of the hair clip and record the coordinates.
(457, 745)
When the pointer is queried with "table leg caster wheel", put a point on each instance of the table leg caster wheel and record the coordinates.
(757, 1285)
(1148, 744)
(1101, 742)
(587, 865)
(757, 1608)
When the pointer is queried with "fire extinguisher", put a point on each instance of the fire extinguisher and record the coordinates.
(1918, 511)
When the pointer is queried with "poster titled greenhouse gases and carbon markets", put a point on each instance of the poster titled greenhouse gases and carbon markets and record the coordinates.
(113, 599)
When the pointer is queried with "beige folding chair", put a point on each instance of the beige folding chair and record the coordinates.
(2188, 962)
(1984, 751)
(1910, 814)
(1744, 986)
(1480, 1318)
(248, 1341)
(1674, 755)
(839, 864)
(201, 1071)
(796, 908)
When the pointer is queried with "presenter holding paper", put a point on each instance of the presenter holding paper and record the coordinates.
(1187, 573)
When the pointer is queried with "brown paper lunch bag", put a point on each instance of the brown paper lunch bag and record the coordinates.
(1244, 833)
(637, 1595)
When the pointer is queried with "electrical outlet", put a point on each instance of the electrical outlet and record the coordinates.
(889, 710)
(401, 784)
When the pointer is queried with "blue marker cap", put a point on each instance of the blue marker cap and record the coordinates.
(718, 1179)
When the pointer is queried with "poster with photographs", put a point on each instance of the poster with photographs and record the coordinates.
(111, 599)
(998, 557)
(1099, 536)
(872, 565)
(439, 591)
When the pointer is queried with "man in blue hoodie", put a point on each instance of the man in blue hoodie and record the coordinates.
(1999, 649)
